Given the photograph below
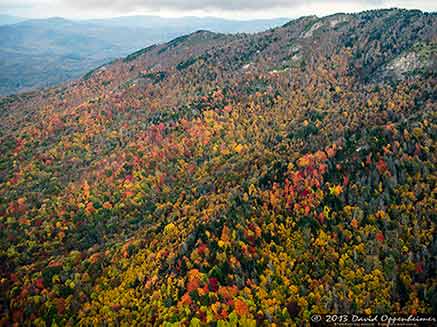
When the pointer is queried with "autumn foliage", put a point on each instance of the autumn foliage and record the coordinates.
(271, 177)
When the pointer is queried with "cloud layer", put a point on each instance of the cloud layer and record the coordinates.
(240, 8)
(186, 5)
(229, 5)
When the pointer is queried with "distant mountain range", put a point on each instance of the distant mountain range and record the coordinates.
(43, 52)
(8, 19)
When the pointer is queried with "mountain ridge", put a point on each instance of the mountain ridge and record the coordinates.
(53, 50)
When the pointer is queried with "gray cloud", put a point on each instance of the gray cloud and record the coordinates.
(224, 8)
(222, 5)
(6, 4)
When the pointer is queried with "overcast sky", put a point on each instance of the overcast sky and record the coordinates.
(238, 9)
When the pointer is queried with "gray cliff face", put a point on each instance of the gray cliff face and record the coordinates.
(420, 59)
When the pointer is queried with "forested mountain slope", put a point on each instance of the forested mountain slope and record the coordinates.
(222, 178)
